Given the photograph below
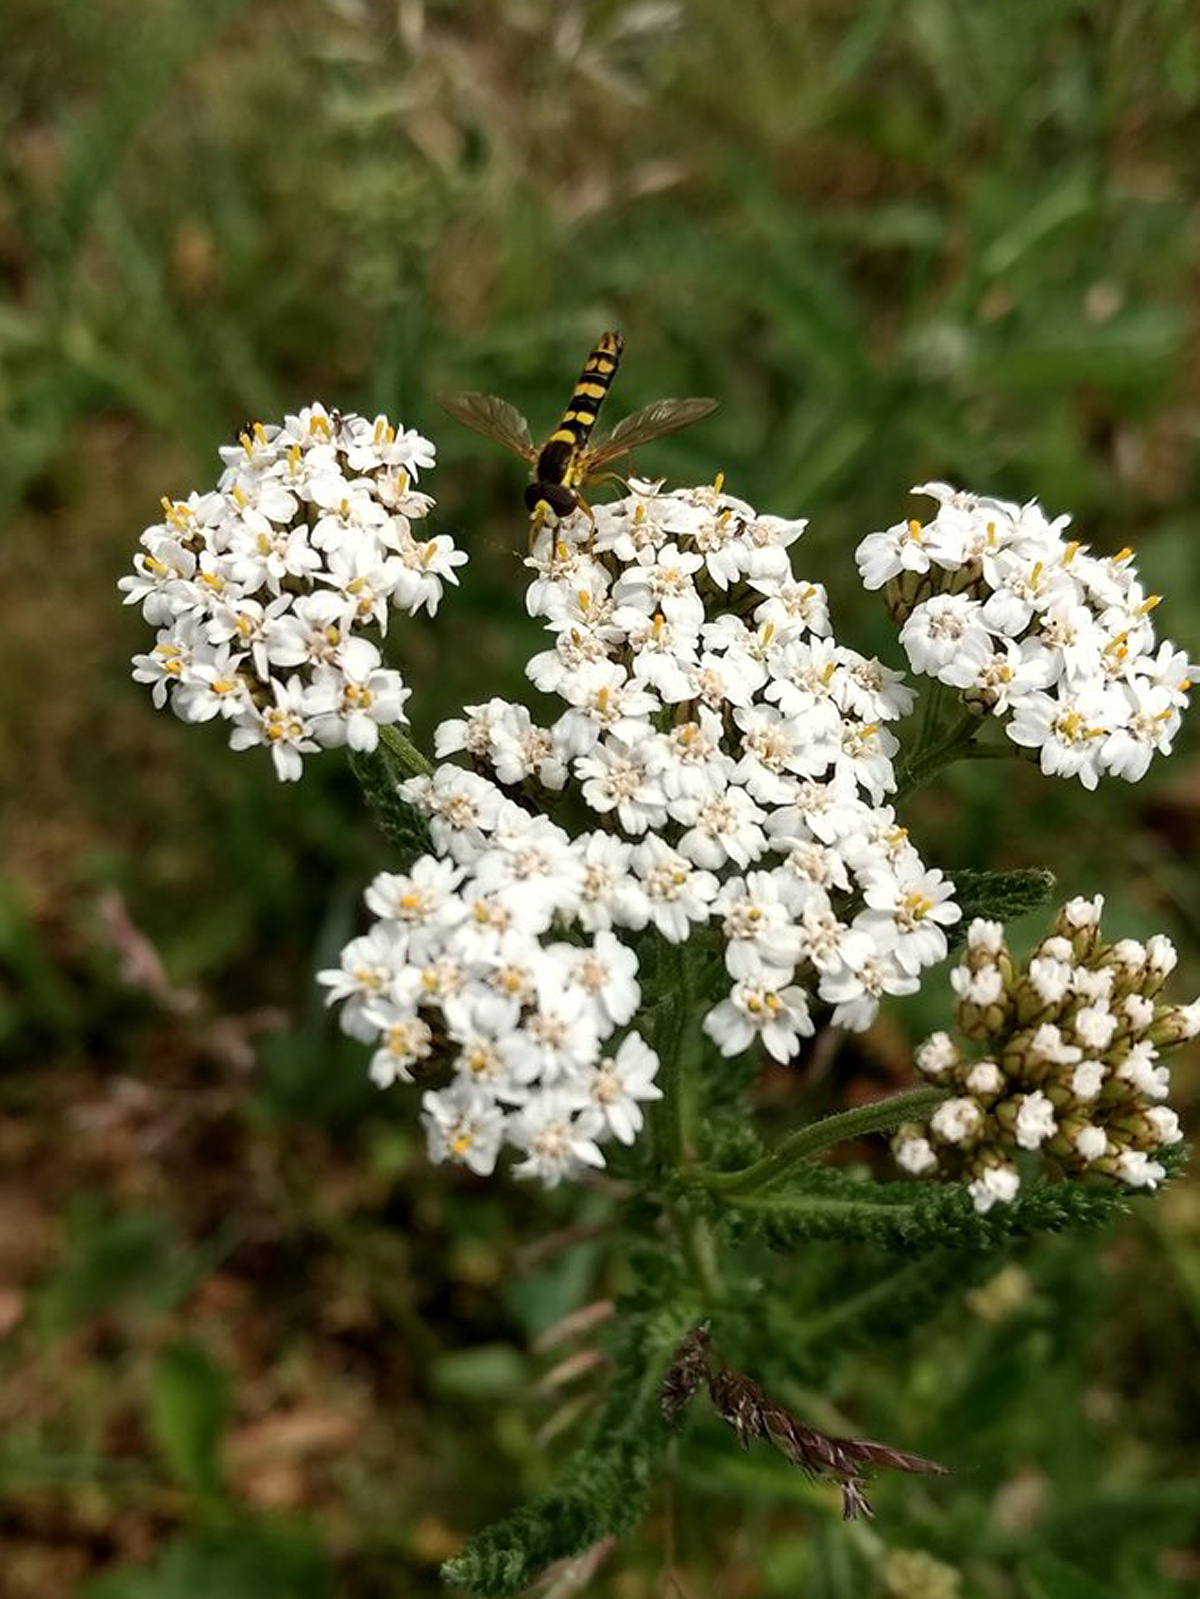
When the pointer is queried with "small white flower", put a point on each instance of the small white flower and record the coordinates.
(622, 1082)
(463, 1125)
(1091, 1142)
(677, 893)
(779, 1016)
(1138, 1170)
(916, 1156)
(558, 1135)
(940, 629)
(936, 1056)
(1164, 1124)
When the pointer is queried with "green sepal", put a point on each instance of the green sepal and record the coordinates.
(999, 896)
(603, 1489)
(380, 774)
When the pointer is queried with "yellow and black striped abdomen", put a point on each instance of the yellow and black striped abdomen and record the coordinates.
(560, 457)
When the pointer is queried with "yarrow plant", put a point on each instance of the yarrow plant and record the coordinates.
(598, 925)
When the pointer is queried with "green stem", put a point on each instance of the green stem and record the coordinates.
(677, 1116)
(928, 760)
(878, 1117)
(406, 752)
(670, 1019)
(700, 1254)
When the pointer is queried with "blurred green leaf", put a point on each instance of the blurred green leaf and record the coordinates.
(490, 1371)
(188, 1411)
(1045, 1576)
(109, 1257)
(238, 1563)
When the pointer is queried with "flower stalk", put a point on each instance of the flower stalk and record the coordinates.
(881, 1116)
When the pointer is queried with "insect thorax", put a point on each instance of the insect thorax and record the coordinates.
(554, 462)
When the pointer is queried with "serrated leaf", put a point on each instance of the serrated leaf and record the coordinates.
(823, 1202)
(188, 1411)
(999, 896)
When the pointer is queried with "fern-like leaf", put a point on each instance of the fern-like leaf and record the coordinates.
(379, 775)
(825, 1202)
(603, 1489)
(999, 896)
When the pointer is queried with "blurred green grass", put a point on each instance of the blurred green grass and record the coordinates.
(899, 240)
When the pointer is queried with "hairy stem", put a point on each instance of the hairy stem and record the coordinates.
(881, 1116)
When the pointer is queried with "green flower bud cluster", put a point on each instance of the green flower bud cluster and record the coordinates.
(1068, 1064)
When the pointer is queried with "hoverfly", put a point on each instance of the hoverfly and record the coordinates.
(568, 460)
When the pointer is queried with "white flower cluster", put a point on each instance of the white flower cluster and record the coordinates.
(455, 973)
(736, 760)
(1072, 1066)
(1034, 630)
(261, 588)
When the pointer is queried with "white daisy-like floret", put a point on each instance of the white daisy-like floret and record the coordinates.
(557, 1130)
(776, 1015)
(937, 1056)
(677, 893)
(622, 1083)
(916, 1156)
(1138, 1170)
(939, 631)
(908, 913)
(463, 1125)
(956, 1120)
(1035, 1121)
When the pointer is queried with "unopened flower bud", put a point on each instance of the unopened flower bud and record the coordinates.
(1175, 1023)
(937, 1057)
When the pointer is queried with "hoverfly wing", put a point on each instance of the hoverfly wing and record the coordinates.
(494, 418)
(651, 422)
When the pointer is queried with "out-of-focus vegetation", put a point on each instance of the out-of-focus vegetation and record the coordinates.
(250, 1344)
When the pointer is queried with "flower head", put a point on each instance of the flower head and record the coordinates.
(260, 590)
(1072, 1069)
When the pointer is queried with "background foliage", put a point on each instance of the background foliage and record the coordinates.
(249, 1344)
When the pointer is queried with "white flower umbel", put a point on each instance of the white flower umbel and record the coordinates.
(1072, 1067)
(260, 590)
(1032, 629)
